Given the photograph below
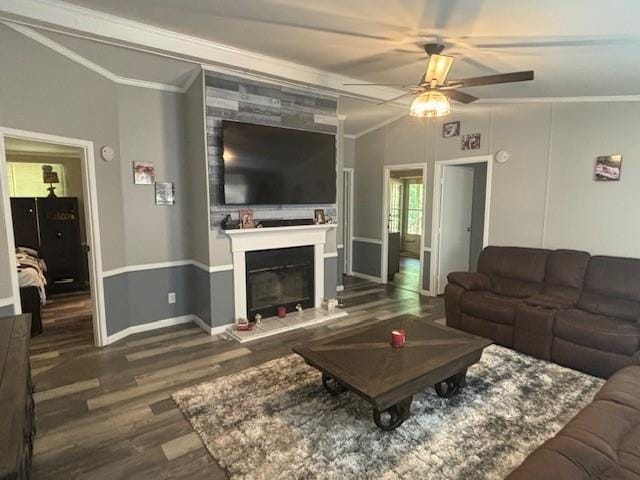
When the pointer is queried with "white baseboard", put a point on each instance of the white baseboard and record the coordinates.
(209, 330)
(5, 302)
(167, 322)
(427, 293)
(340, 288)
(364, 276)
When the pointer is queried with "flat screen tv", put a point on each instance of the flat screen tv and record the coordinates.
(277, 166)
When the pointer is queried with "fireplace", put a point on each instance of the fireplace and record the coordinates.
(275, 277)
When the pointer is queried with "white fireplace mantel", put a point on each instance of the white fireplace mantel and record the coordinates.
(246, 240)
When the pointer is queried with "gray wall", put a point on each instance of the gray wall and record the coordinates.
(545, 194)
(477, 212)
(152, 129)
(6, 311)
(366, 258)
(196, 172)
(349, 152)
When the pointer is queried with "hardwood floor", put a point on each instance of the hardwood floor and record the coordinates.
(408, 277)
(108, 413)
(67, 308)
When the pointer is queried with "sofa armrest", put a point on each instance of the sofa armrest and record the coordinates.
(549, 301)
(470, 280)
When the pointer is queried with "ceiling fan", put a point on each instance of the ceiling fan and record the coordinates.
(435, 90)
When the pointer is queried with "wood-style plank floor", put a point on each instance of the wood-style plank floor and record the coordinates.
(108, 413)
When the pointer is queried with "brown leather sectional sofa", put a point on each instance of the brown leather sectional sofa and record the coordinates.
(560, 305)
(576, 310)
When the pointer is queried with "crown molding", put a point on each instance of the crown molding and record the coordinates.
(581, 99)
(85, 62)
(380, 125)
(71, 19)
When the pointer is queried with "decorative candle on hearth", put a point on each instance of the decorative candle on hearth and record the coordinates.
(282, 311)
(398, 338)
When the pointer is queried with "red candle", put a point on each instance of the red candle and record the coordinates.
(398, 338)
(282, 311)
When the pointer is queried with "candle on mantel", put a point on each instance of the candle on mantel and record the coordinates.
(282, 311)
(398, 337)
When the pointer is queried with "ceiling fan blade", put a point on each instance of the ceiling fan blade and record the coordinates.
(408, 94)
(493, 79)
(461, 97)
(404, 85)
(438, 68)
(576, 42)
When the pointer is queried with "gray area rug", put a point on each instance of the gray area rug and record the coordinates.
(276, 421)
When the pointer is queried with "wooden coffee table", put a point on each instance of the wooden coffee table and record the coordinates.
(362, 360)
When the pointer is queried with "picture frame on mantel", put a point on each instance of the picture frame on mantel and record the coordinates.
(246, 218)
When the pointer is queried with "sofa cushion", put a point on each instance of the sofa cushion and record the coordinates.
(601, 442)
(565, 273)
(598, 331)
(514, 271)
(489, 306)
(470, 280)
(612, 287)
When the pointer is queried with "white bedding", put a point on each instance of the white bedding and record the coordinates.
(31, 271)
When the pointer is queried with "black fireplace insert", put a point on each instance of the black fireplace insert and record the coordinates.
(279, 277)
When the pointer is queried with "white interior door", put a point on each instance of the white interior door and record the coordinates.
(455, 222)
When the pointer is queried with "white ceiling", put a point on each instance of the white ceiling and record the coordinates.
(575, 47)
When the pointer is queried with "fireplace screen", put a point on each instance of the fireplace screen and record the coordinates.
(279, 277)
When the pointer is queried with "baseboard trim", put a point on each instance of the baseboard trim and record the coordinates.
(208, 329)
(364, 276)
(5, 302)
(167, 322)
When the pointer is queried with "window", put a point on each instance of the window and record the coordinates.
(414, 209)
(25, 179)
(395, 206)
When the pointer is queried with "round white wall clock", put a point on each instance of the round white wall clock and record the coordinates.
(107, 153)
(502, 156)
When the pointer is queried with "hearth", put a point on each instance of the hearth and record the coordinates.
(275, 277)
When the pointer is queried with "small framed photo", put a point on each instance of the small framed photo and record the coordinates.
(143, 173)
(318, 217)
(608, 168)
(471, 141)
(451, 129)
(246, 218)
(165, 193)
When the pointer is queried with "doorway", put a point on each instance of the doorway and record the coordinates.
(347, 220)
(403, 225)
(49, 199)
(461, 216)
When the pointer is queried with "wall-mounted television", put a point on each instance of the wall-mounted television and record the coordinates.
(277, 166)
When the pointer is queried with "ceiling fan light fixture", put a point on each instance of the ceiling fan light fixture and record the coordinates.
(430, 105)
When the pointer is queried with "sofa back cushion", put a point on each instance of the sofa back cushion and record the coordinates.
(565, 274)
(514, 271)
(612, 287)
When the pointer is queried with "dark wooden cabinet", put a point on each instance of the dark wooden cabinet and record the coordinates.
(54, 230)
(17, 417)
(25, 222)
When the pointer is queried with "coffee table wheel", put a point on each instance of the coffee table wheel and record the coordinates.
(451, 386)
(331, 385)
(394, 416)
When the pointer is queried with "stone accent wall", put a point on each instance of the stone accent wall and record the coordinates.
(233, 98)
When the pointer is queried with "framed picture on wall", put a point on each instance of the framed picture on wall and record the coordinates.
(608, 168)
(165, 193)
(451, 129)
(471, 141)
(143, 173)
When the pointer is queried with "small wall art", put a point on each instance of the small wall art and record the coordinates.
(471, 141)
(143, 173)
(450, 129)
(608, 168)
(165, 193)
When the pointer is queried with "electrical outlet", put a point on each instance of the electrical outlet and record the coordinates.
(172, 297)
